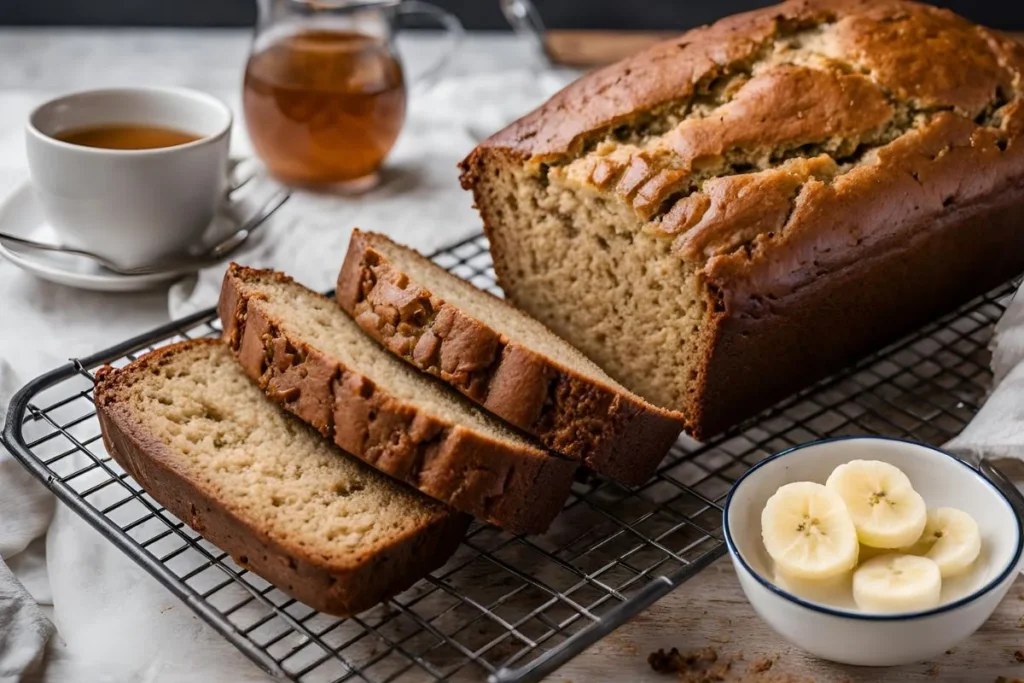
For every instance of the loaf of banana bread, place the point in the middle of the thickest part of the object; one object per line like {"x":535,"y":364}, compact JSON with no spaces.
{"x":735,"y":213}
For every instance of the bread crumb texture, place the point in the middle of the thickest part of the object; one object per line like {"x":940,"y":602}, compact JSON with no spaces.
{"x":263,"y":465}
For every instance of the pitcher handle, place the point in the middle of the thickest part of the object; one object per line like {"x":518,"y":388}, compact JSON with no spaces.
{"x":452,"y":27}
{"x":525,"y":20}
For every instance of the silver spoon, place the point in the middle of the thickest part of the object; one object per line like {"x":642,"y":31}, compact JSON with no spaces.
{"x":211,"y":256}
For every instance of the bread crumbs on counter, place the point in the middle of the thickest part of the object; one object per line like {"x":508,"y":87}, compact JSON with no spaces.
{"x":674,"y":661}
{"x":1019,"y":656}
{"x":713,"y":675}
{"x":664,"y":662}
{"x":699,"y":666}
{"x":707,"y":666}
{"x":933,"y":670}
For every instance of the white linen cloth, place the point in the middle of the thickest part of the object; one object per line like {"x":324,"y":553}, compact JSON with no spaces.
{"x":72,"y":607}
{"x":997,"y":431}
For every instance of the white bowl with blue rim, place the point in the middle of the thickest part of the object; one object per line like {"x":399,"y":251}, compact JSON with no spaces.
{"x":841,"y":633}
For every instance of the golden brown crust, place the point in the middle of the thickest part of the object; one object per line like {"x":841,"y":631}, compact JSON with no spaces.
{"x":612,"y":431}
{"x":914,"y":51}
{"x":517,"y":488}
{"x":782,"y":151}
{"x":947,"y":165}
{"x":603,"y":99}
{"x":342,"y":586}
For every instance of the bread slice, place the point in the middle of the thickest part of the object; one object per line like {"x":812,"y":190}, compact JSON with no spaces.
{"x":195,"y":433}
{"x":309,"y":356}
{"x":503,"y":359}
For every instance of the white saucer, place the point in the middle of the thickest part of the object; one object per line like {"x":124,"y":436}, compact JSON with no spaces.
{"x":22,"y":215}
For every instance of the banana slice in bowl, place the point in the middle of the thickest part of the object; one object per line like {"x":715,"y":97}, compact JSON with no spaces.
{"x":885,"y":508}
{"x":900,"y":618}
{"x":808,"y":532}
{"x":895,"y":582}
{"x":951,"y":538}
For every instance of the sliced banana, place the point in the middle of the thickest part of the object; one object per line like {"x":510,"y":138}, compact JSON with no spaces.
{"x":951,"y":538}
{"x":808,"y":532}
{"x":885,"y":508}
{"x":897,"y":583}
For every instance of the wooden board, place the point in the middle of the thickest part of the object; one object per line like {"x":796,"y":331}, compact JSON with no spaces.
{"x":584,"y":49}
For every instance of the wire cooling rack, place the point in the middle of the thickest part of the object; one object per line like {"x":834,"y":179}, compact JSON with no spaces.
{"x":505,"y":607}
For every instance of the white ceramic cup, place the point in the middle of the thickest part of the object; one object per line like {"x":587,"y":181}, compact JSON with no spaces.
{"x":134,"y":207}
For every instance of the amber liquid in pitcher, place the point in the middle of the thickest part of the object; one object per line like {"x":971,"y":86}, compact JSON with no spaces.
{"x":324,"y":107}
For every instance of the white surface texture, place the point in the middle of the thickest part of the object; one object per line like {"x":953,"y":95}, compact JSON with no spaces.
{"x":113,"y":622}
{"x":997,"y":431}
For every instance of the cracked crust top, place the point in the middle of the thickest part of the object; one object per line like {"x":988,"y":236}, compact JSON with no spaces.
{"x":781,"y":144}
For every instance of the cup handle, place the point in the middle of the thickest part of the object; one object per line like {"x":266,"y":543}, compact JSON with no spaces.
{"x":453,"y":28}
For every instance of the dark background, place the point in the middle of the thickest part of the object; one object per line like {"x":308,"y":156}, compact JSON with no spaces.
{"x":476,"y":14}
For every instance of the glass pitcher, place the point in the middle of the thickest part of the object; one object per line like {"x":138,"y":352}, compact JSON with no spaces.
{"x":325,"y":93}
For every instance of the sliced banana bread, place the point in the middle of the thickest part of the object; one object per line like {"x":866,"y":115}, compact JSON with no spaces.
{"x":195,"y":433}
{"x":312,"y":358}
{"x":502,"y":358}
